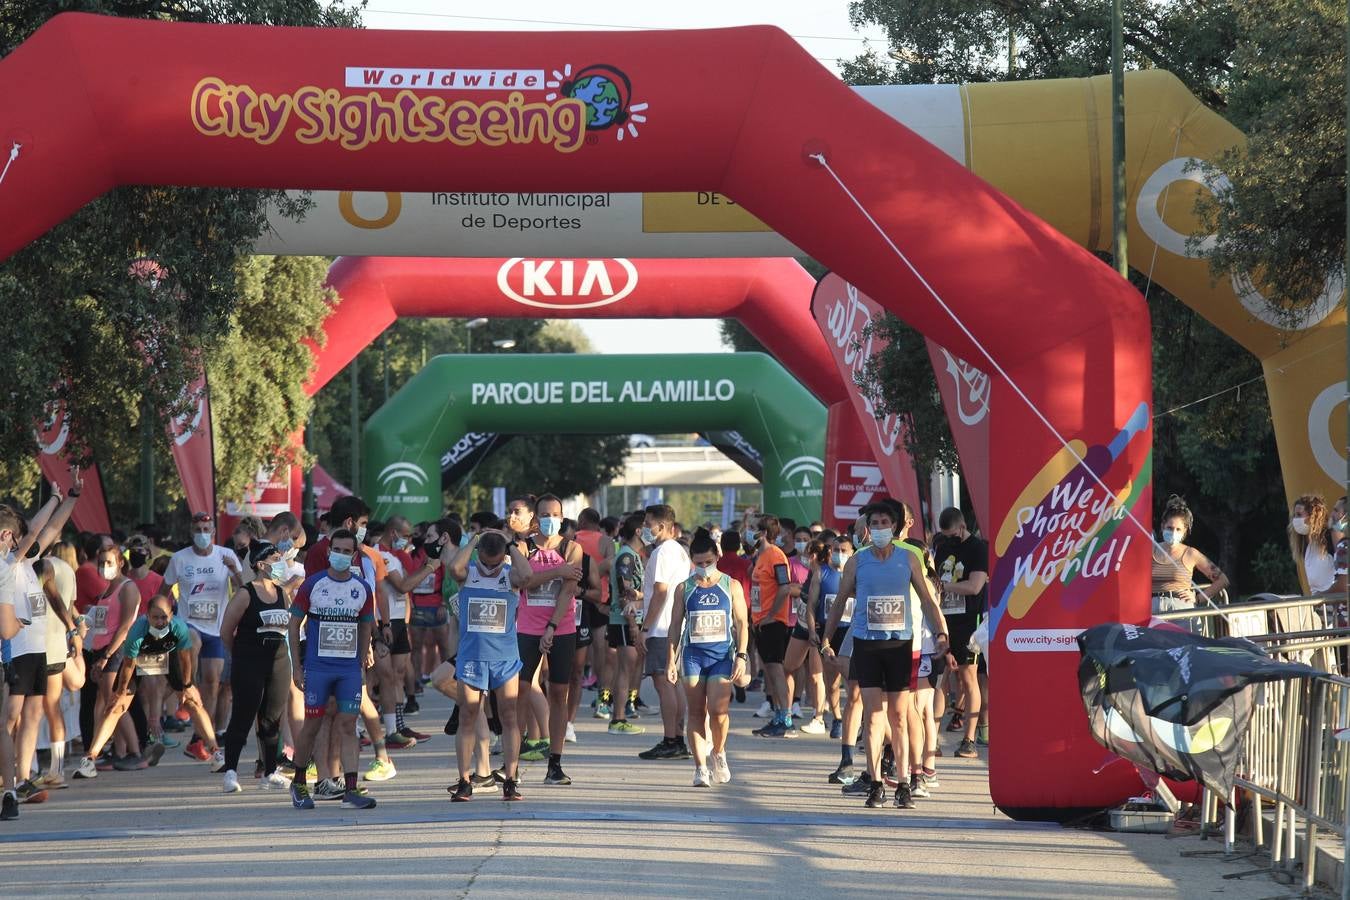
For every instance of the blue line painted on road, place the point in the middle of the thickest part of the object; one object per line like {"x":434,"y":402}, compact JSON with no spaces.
{"x":894,"y":822}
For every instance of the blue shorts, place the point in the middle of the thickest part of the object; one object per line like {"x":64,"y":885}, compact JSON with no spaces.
{"x":699,"y":664}
{"x":212,"y":646}
{"x":487,"y":676}
{"x":343,"y":685}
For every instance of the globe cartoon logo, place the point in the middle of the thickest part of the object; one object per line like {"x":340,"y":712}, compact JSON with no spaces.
{"x":607,"y":93}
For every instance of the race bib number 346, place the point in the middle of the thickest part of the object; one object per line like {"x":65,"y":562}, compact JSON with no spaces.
{"x":203,"y":610}
{"x":337,"y":640}
{"x":888,"y":613}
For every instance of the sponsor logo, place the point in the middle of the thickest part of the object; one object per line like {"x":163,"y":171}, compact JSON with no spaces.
{"x":55,"y":430}
{"x":1320,"y":430}
{"x":186,"y":426}
{"x":741,"y":445}
{"x":855,"y":484}
{"x":474,"y":440}
{"x":1043,"y":640}
{"x":848,"y":320}
{"x":607,"y":93}
{"x":567,"y":283}
{"x":804,"y":476}
{"x":396,"y":478}
{"x":393,"y":206}
{"x":971,"y":390}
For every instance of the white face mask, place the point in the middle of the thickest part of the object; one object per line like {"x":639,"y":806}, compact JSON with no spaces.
{"x":801,"y":548}
{"x":158,"y":633}
{"x":360,"y":534}
{"x":706,"y":572}
{"x":109,"y":572}
{"x":1299,"y":524}
{"x":881,"y":536}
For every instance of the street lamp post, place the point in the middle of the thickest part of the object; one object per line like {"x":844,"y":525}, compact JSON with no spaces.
{"x":469,"y":326}
{"x":504,"y":344}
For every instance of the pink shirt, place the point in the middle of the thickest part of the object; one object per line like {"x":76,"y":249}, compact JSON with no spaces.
{"x":105,"y":616}
{"x":537,"y":604}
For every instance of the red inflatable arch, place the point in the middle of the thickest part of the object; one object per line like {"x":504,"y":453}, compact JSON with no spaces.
{"x":98,"y":102}
{"x":770,"y":296}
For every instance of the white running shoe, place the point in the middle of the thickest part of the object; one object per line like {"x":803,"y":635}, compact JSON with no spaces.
{"x":721,"y":772}
{"x":571,"y":736}
{"x":231,"y":785}
{"x":275,"y":782}
{"x":86,"y":769}
{"x":765,"y":710}
{"x":815,"y":726}
{"x":701,"y":778}
{"x":218,"y":760}
{"x":796,"y":710}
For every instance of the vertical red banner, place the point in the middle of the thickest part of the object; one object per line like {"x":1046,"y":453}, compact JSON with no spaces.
{"x":53,"y":435}
{"x":853,"y":477}
{"x":194,"y":450}
{"x":965,"y":396}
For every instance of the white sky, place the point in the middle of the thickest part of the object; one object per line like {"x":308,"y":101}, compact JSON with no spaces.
{"x":821,"y":26}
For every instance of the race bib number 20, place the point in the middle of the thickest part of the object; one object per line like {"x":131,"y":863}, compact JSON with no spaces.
{"x":486,"y":616}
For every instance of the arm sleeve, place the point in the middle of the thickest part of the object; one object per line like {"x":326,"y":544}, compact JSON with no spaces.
{"x":781,"y":574}
{"x":979,"y":558}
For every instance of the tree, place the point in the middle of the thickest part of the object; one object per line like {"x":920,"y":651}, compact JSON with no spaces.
{"x":80,"y":328}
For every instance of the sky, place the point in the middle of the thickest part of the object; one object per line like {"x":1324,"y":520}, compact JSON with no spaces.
{"x":821,"y":26}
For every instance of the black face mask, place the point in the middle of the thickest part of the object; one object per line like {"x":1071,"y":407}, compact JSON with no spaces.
{"x":138,"y":558}
{"x":434,"y":550}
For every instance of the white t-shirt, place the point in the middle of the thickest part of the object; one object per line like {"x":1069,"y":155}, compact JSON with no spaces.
{"x":398,"y":603}
{"x":668,"y":565}
{"x":203,"y":586}
{"x":1320,"y":568}
{"x":29,"y":603}
{"x":64,"y":576}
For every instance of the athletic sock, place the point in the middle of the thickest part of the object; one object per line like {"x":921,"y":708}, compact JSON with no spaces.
{"x":58,"y":757}
{"x":390,"y":724}
{"x":555,"y":760}
{"x":301,"y":773}
{"x":398,"y":716}
{"x":349,"y":780}
{"x":846,"y":756}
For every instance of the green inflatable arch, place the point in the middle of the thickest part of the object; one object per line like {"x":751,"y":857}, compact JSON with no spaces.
{"x":601,"y":394}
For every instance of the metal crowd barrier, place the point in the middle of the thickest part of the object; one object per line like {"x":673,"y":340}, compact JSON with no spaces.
{"x":1291,"y":756}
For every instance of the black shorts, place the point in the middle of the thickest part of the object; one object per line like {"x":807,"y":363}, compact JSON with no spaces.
{"x":936,"y":666}
{"x":559,"y":658}
{"x":959,"y":630}
{"x":771,"y":641}
{"x":619,"y":636}
{"x":55,"y":668}
{"x":836,"y":639}
{"x":583,"y":634}
{"x":28,"y":675}
{"x":398,"y":632}
{"x":799,"y":633}
{"x":593,"y":616}
{"x":888,"y":665}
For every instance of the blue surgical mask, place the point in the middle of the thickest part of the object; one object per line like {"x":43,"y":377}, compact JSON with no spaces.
{"x":280,"y":572}
{"x":202,"y":539}
{"x":647,"y":536}
{"x":705,"y":571}
{"x":340,"y":562}
{"x":1172,"y":536}
{"x":400,"y":543}
{"x":801,"y":548}
{"x":882,"y":536}
{"x":464,"y":539}
{"x":836,"y":559}
{"x":360,"y":534}
{"x":285,"y":544}
{"x":549,"y":525}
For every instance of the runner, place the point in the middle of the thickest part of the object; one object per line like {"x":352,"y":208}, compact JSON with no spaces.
{"x":596,"y":615}
{"x":428,"y":624}
{"x":884,"y":578}
{"x":402,"y":575}
{"x":923,"y":735}
{"x":771,"y":594}
{"x":254,"y":632}
{"x":963,"y":569}
{"x":547,"y":624}
{"x":337,"y":610}
{"x":203,"y":574}
{"x":667,"y":568}
{"x":710,"y":620}
{"x":588,"y":600}
{"x":625,"y":620}
{"x":488,"y":655}
{"x":111,"y":618}
{"x":826,"y":562}
{"x":803,"y":652}
{"x":158,"y":643}
{"x":57,"y":579}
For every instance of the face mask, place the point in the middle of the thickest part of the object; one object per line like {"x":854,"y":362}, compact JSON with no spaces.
{"x":882,"y":536}
{"x":285,"y":544}
{"x":280,"y":572}
{"x":464,"y":539}
{"x":751,"y":538}
{"x":1342,"y":525}
{"x":549,"y":525}
{"x":1172,"y":536}
{"x":201,"y":539}
{"x":108,"y":572}
{"x":360,"y":534}
{"x":706,"y":571}
{"x":158,"y":632}
{"x":340,"y":562}
{"x":292,"y":553}
{"x":647,"y":536}
{"x":837,"y":560}
{"x":1300,"y":525}
{"x":400,"y":543}
{"x":138,"y":558}
{"x":801,"y":548}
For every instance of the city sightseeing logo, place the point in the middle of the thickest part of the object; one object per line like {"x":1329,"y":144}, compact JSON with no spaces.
{"x":413,"y":105}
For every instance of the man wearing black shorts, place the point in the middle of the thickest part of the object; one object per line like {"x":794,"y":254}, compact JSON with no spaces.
{"x":625,"y":620}
{"x":963,"y":571}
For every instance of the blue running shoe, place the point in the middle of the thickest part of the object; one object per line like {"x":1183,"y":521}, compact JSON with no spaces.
{"x":300,"y":797}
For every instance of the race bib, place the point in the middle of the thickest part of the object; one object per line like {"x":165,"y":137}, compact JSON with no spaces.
{"x":544,"y":595}
{"x":337,"y":640}
{"x":37,"y":605}
{"x":577,"y":604}
{"x":203,"y":610}
{"x":847,"y":617}
{"x":890,"y":613}
{"x":707,"y":626}
{"x":486,"y":616}
{"x":428,"y":585}
{"x":98,"y":620}
{"x":398,"y":607}
{"x":153,"y":664}
{"x":799,"y":609}
{"x":754,"y":599}
{"x":953,"y":604}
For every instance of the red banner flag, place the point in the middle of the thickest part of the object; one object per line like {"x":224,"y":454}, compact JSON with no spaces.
{"x":53,"y":435}
{"x":965,"y":396}
{"x":327,"y":489}
{"x":194,"y":450}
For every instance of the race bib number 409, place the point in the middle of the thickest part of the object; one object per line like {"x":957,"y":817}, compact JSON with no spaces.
{"x":888,"y":613}
{"x":337,"y":640}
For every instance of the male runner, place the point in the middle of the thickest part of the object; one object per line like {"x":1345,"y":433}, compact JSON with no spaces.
{"x":337,"y":610}
{"x":596,"y":615}
{"x":625,"y":620}
{"x":401,"y":576}
{"x":962,"y":562}
{"x":772,"y":592}
{"x":667,"y":568}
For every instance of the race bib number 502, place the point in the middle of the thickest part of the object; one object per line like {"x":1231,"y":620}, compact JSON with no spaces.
{"x":888,"y":613}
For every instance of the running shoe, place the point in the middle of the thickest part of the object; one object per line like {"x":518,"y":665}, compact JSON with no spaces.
{"x":29,"y":792}
{"x":638,"y":704}
{"x":860,"y":785}
{"x":815,"y":726}
{"x":756,"y":684}
{"x":329,"y":789}
{"x":366,"y":742}
{"x":258,"y":769}
{"x":876,"y":796}
{"x":903,"y":798}
{"x":231,"y":783}
{"x":105,"y":762}
{"x":132,"y":762}
{"x":836,"y":730}
{"x":557,"y":776}
{"x":197,"y":750}
{"x":54,"y":781}
{"x":966,"y":750}
{"x":286,"y":765}
{"x":154,"y":752}
{"x":311,"y":771}
{"x":916,"y":787}
{"x":274,"y":782}
{"x":843,"y":775}
{"x":9,"y":807}
{"x":218,"y":760}
{"x":774,"y":729}
{"x":929,"y":781}
{"x":511,"y":790}
{"x":721,"y":772}
{"x":411,"y":706}
{"x":462,"y":792}
{"x":399,"y":741}
{"x":300,"y":797}
{"x":168,"y":742}
{"x":379,"y":770}
{"x":589,"y":682}
{"x":602,"y":711}
{"x":425,"y":679}
{"x":415,"y":735}
{"x":958,"y":721}
{"x":623,"y":726}
{"x":452,"y":723}
{"x":790,"y":730}
{"x":357,"y":798}
{"x":86,"y":768}
{"x":701,"y":777}
{"x":796,"y":710}
{"x":485,"y":781}
{"x":765,"y":710}
{"x":537,"y":752}
{"x":571,"y":736}
{"x":664,"y":750}
{"x":182,"y":716}
{"x":681,"y":751}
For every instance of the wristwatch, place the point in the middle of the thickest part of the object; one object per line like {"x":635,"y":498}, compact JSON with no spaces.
{"x":745,"y":656}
